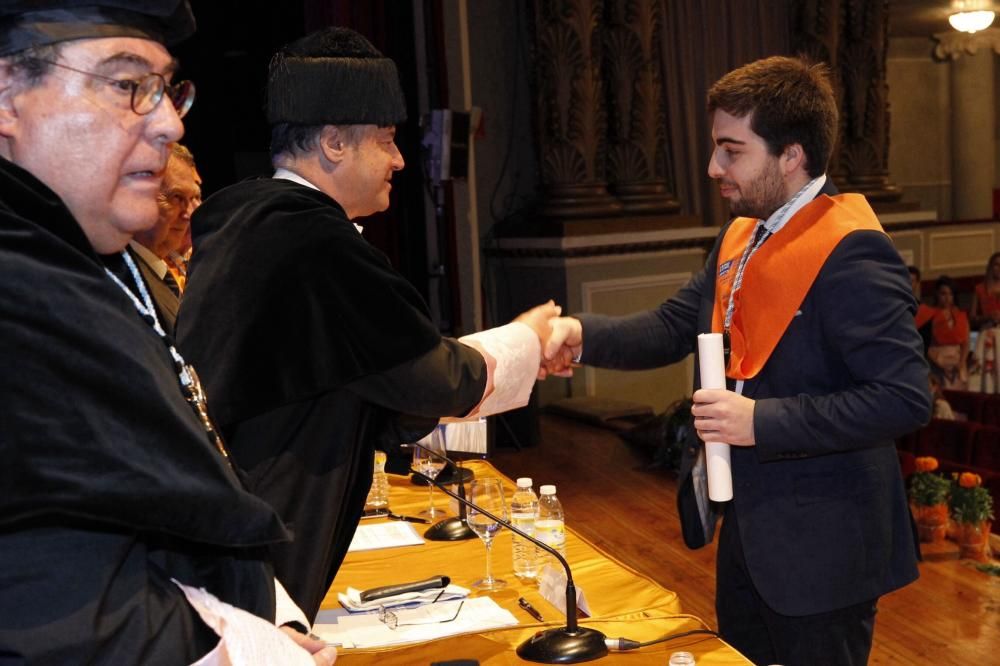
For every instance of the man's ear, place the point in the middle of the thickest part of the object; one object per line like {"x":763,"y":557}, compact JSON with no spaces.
{"x":9,"y":88}
{"x":331,"y":144}
{"x":793,"y":157}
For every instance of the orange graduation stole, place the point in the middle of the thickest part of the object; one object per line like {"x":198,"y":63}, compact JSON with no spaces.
{"x":779,"y":275}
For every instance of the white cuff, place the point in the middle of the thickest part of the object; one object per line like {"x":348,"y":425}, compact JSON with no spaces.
{"x":286,"y":610}
{"x":518,"y":354}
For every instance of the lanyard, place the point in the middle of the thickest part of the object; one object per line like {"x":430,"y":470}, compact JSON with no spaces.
{"x":190,"y":383}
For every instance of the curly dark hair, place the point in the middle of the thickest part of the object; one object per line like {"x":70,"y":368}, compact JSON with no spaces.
{"x":791,"y":101}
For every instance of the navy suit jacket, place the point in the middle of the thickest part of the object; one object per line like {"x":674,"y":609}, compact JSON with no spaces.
{"x":820,"y":502}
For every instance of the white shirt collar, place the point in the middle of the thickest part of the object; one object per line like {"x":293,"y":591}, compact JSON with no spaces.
{"x":802,"y":197}
{"x":158,"y":265}
{"x":285,"y":174}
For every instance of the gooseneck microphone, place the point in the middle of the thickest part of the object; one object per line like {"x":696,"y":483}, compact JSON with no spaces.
{"x":564,"y":645}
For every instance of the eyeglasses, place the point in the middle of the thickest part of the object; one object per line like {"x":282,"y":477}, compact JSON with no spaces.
{"x":391,"y":619}
{"x":147,"y":91}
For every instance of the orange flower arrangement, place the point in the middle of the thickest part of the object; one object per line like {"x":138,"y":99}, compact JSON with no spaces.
{"x":970,"y":502}
{"x":970,"y":480}
{"x":927,"y":488}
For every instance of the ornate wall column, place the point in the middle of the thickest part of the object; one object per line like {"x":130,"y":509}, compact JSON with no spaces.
{"x":851,"y":37}
{"x":637,"y":167}
{"x":973,"y":163}
{"x":571,"y":109}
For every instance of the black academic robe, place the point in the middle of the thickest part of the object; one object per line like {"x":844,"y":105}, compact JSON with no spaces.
{"x":312,"y":348}
{"x":110,"y":486}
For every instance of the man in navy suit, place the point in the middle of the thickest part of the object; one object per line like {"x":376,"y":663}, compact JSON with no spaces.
{"x":825,"y":369}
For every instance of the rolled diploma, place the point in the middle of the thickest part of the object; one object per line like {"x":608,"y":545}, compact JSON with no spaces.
{"x":713,"y":376}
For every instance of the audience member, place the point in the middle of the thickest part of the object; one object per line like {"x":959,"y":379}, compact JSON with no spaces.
{"x":925,"y":313}
{"x":312,"y":347}
{"x":942,"y":408}
{"x":120,"y":514}
{"x":985,"y":310}
{"x":949,"y":349}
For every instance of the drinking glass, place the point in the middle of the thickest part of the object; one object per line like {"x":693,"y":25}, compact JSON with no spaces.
{"x":486,"y":492}
{"x":430,"y":463}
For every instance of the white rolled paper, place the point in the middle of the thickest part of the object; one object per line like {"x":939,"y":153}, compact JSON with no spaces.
{"x":713,"y":376}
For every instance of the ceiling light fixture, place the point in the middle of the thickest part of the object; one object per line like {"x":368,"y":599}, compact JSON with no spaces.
{"x":972,"y":21}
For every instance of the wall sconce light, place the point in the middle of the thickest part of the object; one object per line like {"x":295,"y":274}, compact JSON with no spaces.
{"x":971,"y":16}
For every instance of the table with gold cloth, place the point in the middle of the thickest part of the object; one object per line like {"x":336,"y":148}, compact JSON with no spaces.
{"x":622,"y":601}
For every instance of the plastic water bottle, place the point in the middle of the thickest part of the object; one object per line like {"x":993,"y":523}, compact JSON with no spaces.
{"x":378,"y":494}
{"x":550,"y":526}
{"x":682,"y":659}
{"x":523,"y":511}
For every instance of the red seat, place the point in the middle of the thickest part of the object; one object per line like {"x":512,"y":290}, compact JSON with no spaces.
{"x":986,"y":449}
{"x":947,"y":440}
{"x":968,"y":403}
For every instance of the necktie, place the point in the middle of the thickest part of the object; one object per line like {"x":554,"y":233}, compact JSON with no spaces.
{"x":168,"y":279}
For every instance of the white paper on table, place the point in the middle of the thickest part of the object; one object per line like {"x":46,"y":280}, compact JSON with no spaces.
{"x":711,"y":361}
{"x":552,"y":587}
{"x":465,"y":436}
{"x":384,"y":535}
{"x":367,"y":631}
{"x":351,"y":599}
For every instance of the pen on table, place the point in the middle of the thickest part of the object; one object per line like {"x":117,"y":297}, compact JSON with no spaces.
{"x":409,"y":519}
{"x":523,"y":603}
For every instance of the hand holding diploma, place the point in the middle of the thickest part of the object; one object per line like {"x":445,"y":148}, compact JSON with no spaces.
{"x":721,"y":417}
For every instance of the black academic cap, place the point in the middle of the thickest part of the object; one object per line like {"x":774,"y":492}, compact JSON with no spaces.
{"x":334,"y":77}
{"x":28,"y":23}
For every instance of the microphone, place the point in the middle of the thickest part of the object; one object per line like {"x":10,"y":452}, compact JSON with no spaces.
{"x":564,"y":645}
{"x":449,"y":529}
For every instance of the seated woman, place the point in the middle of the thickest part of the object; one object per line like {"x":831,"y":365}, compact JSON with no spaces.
{"x":949,"y":337}
{"x":985,"y":310}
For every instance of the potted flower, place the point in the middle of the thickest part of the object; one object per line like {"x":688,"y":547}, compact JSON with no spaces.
{"x":929,"y":500}
{"x":972,"y":510}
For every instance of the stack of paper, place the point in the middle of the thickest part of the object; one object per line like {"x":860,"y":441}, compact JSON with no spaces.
{"x":352,"y":599}
{"x":367,"y":631}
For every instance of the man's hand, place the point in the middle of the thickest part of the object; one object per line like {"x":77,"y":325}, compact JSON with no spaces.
{"x":538,"y":319}
{"x":321,"y":654}
{"x":723,"y":416}
{"x":564,"y":344}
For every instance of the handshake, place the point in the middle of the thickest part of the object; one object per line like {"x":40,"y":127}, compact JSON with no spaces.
{"x":561,"y":338}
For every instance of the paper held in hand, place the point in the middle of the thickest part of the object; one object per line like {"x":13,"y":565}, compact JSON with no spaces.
{"x":713,"y":376}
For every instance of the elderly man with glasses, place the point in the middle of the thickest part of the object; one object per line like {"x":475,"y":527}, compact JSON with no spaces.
{"x":125,"y":533}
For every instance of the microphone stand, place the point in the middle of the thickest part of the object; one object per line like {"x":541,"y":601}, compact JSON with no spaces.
{"x":449,"y":529}
{"x":564,"y":645}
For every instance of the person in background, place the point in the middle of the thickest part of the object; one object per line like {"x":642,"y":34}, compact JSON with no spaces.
{"x":985,"y":310}
{"x":125,"y":535}
{"x":314,"y":350}
{"x":155,"y":250}
{"x":826,"y":370}
{"x":180,"y":195}
{"x":949,"y":348}
{"x":942,"y":408}
{"x":925,"y":313}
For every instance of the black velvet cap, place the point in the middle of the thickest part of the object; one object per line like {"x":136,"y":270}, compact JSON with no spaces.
{"x":28,"y":23}
{"x":334,"y":77}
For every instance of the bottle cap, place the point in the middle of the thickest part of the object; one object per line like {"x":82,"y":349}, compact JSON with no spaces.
{"x":548,"y":490}
{"x":524,"y":482}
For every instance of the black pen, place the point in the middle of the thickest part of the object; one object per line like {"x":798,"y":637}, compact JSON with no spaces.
{"x":529,"y":609}
{"x":409,"y":519}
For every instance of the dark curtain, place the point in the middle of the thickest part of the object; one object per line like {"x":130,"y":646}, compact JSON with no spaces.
{"x":704,"y":39}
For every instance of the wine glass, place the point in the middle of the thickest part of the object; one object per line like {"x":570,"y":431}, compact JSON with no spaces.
{"x":429,"y":461}
{"x":487,"y":493}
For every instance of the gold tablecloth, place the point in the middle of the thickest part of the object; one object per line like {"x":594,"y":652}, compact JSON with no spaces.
{"x":622,"y":602}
